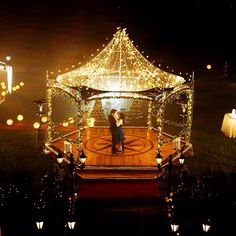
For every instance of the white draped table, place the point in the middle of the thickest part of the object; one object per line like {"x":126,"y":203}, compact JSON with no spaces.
{"x":229,"y":125}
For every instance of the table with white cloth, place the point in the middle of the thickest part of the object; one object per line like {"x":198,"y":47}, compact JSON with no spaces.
{"x":229,"y":125}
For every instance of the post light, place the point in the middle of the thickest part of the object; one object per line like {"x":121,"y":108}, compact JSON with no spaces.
{"x":60,"y":158}
{"x":82,"y":159}
{"x":71,"y":224}
{"x":206,"y":226}
{"x":158,"y":159}
{"x":39,"y":224}
{"x":181,"y":159}
{"x":174,"y":227}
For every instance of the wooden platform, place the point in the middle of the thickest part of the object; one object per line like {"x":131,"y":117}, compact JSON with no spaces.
{"x":138,"y":160}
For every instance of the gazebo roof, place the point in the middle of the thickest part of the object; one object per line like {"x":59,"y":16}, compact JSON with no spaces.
{"x":120,"y":67}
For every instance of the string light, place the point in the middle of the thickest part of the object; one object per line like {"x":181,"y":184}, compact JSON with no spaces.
{"x":123,"y":72}
{"x":120,"y":67}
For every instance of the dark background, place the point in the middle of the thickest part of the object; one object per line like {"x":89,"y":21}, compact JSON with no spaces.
{"x":50,"y":35}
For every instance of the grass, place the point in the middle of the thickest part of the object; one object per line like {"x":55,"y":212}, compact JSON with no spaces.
{"x":19,"y":158}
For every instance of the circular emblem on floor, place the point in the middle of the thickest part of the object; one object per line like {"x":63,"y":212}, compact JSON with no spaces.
{"x":133,"y":145}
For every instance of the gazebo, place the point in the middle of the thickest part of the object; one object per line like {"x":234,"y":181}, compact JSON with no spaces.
{"x":120,"y":72}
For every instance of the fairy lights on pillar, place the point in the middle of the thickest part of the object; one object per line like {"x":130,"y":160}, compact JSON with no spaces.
{"x":149,"y":117}
{"x":189,"y":117}
{"x":49,"y":110}
{"x":79,"y":121}
{"x":160,"y":117}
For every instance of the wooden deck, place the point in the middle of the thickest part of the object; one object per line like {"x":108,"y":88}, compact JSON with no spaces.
{"x":139,"y":156}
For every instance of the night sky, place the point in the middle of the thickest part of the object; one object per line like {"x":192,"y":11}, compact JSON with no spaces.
{"x":49,"y":35}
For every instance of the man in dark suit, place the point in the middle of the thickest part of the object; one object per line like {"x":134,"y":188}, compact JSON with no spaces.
{"x":113,"y":129}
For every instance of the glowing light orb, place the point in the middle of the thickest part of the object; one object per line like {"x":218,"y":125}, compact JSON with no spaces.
{"x":208,"y":66}
{"x":71,"y":120}
{"x":65,"y":124}
{"x":9,"y":122}
{"x":17,"y":86}
{"x":20,"y":117}
{"x":22,"y":84}
{"x":4,"y":93}
{"x":44,"y":119}
{"x":8,"y":58}
{"x":36,"y":125}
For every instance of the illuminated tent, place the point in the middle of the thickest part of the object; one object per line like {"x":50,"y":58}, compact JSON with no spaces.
{"x":121,"y":71}
{"x":120,"y":67}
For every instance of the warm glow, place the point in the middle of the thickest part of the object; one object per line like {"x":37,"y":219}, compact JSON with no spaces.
{"x":17,"y":86}
{"x":9,"y":122}
{"x":71,"y":120}
{"x":120,"y":67}
{"x":44,"y":119}
{"x":20,"y":117}
{"x":36,"y":125}
{"x":4,"y":93}
{"x":9,"y":78}
{"x":8,"y":58}
{"x":39,"y":224}
{"x":208,"y":66}
{"x":71,"y":225}
{"x":174,"y":227}
{"x":206,"y":227}
{"x":65,"y":124}
{"x":22,"y":84}
{"x":90,"y":122}
{"x":233,"y":114}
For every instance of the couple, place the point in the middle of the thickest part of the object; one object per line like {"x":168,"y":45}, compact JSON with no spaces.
{"x":116,"y":120}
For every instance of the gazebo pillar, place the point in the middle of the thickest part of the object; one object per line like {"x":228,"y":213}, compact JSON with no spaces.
{"x":160,"y":117}
{"x":149,"y":117}
{"x":49,"y":127}
{"x":189,"y":118}
{"x":79,"y":121}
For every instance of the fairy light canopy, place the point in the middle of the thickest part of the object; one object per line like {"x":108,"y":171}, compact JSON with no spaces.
{"x":120,"y":67}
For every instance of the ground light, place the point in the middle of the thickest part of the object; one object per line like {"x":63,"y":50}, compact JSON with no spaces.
{"x":181,"y":159}
{"x":60,"y":158}
{"x":71,"y":224}
{"x":174,"y":227}
{"x":206,"y":226}
{"x":159,"y":159}
{"x":39,"y":224}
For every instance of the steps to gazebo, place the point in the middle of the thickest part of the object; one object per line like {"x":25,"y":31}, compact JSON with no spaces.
{"x":118,"y":172}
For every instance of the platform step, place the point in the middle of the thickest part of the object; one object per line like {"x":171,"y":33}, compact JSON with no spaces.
{"x":117,"y":172}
